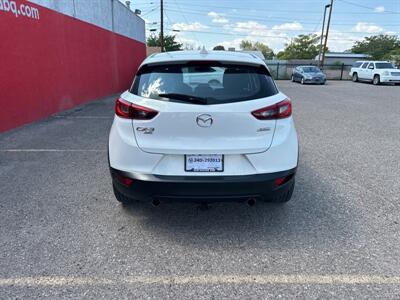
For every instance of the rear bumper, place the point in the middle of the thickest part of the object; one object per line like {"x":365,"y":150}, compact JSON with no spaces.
{"x":202,"y":188}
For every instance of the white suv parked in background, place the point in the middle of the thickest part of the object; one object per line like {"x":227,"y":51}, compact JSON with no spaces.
{"x":375,"y":71}
{"x":203,"y":126}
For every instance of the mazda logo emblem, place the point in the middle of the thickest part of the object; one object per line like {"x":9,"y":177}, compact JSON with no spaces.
{"x":204,"y":120}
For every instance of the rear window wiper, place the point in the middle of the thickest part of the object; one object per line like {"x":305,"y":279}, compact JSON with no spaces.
{"x":185,"y":98}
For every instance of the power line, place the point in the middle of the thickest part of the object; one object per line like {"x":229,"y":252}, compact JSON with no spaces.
{"x":253,"y":35}
{"x":184,"y":17}
{"x":191,"y":5}
{"x":268,"y":19}
{"x":151,"y":11}
{"x":368,"y":7}
{"x":231,"y":27}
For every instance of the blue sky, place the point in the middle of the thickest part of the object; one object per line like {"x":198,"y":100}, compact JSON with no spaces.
{"x":227,"y":22}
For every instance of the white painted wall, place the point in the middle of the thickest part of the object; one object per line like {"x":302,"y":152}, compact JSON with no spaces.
{"x":108,"y":14}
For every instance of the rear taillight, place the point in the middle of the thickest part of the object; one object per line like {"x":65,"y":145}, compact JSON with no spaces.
{"x":279,"y":110}
{"x":127,"y":110}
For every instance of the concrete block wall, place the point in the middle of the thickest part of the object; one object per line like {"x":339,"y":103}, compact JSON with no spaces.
{"x":127,"y":23}
{"x":108,"y":14}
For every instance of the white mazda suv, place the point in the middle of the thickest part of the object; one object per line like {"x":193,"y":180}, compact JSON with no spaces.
{"x":203,"y":126}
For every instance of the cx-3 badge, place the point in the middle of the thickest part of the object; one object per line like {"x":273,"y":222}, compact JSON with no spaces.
{"x":204,"y":120}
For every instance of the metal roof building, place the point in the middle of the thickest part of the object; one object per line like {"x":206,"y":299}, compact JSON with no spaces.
{"x":342,"y":57}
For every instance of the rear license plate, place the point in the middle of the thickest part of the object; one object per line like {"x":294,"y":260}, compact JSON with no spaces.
{"x":204,"y":163}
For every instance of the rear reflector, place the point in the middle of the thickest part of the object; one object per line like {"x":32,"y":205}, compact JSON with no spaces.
{"x":283,"y":180}
{"x":127,"y":110}
{"x":280,"y":181}
{"x":279,"y":110}
{"x":124,"y":180}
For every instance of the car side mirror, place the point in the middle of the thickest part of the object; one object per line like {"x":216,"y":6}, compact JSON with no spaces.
{"x":371,"y":67}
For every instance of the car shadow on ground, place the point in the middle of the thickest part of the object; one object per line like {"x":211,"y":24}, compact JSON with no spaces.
{"x":316,"y":212}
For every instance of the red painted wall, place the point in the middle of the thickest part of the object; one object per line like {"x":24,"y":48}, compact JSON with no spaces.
{"x":58,"y":62}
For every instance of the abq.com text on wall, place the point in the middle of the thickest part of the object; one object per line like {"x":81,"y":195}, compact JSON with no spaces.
{"x":19,"y":10}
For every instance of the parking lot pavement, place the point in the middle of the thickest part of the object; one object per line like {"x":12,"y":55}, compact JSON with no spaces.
{"x":63,"y":235}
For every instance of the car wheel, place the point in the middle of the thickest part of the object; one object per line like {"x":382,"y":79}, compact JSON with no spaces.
{"x":121,"y":197}
{"x":377,"y":80}
{"x":284,"y":197}
{"x":355,"y":77}
{"x":292,"y":79}
{"x":302,"y":81}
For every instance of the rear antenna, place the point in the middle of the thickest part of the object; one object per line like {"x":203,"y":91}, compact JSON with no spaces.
{"x":204,"y":51}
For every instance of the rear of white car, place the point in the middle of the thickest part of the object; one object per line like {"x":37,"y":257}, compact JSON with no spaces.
{"x":203,"y":127}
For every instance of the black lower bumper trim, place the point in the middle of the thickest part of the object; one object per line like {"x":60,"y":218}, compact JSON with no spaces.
{"x":202,"y":188}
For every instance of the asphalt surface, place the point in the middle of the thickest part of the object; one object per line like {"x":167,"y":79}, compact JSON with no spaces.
{"x":63,"y":235}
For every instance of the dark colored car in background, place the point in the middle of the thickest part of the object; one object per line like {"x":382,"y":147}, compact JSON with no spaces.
{"x":308,"y":74}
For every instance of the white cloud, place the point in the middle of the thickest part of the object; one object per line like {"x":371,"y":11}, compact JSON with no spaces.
{"x":233,"y":43}
{"x":255,"y":32}
{"x":379,"y":9}
{"x":217,"y":17}
{"x":188,"y":43}
{"x":196,"y":26}
{"x":288,"y":26}
{"x":367,"y":28}
{"x":251,"y":27}
{"x":339,"y":41}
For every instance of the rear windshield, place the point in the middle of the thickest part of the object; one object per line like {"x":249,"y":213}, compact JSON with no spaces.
{"x":311,"y":70}
{"x":384,"y":66}
{"x":215,"y":83}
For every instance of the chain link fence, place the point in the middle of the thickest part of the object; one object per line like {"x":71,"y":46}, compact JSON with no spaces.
{"x":283,"y":71}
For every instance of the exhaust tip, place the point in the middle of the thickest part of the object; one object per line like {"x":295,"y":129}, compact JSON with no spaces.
{"x":251,"y":202}
{"x":156,"y":202}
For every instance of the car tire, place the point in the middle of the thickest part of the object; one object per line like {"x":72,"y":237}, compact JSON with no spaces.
{"x":121,"y":197}
{"x":302,"y":80}
{"x":284,"y":197}
{"x":354,"y":77}
{"x":376,"y":80}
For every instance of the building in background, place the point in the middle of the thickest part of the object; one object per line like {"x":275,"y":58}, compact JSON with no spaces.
{"x":342,"y":58}
{"x":152,"y":50}
{"x":108,"y":14}
{"x":60,"y":54}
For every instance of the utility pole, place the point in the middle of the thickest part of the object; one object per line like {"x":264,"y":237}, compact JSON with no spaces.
{"x":327,"y":33}
{"x":322,"y":35}
{"x":162,"y":25}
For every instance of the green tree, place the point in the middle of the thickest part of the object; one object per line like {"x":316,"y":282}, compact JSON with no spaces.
{"x":219,"y":47}
{"x":264,"y":49}
{"x":169,"y":42}
{"x":394,"y":56}
{"x":304,"y":46}
{"x":377,"y":46}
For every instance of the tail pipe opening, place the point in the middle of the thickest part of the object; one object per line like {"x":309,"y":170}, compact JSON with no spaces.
{"x":251,"y":202}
